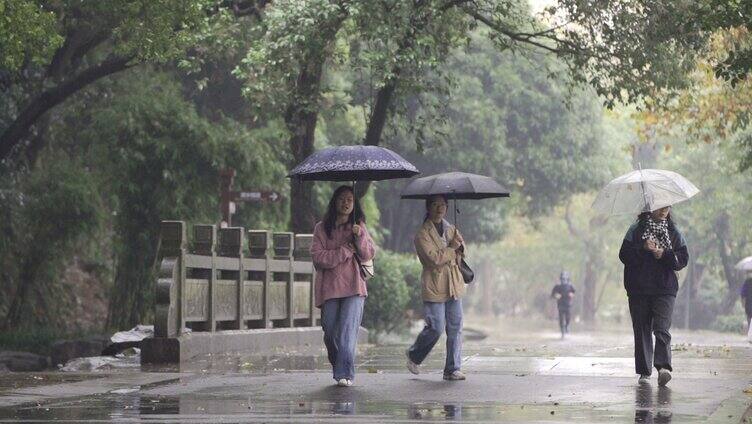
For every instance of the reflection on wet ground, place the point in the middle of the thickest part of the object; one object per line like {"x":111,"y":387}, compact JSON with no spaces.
{"x":584,"y":379}
{"x":220,"y":410}
{"x":652,"y":405}
{"x":10,"y":381}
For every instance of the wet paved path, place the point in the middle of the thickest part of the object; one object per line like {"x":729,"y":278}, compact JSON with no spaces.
{"x":514,"y":377}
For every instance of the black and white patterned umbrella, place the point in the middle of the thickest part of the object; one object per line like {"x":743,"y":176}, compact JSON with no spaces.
{"x":353,"y":163}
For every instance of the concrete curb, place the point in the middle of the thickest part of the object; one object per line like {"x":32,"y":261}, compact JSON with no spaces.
{"x":180,"y":349}
{"x":737,"y":408}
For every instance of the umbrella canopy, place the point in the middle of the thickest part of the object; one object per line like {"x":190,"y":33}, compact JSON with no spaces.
{"x":643,"y":191}
{"x":745,"y":264}
{"x":454,"y":185}
{"x":353,"y":163}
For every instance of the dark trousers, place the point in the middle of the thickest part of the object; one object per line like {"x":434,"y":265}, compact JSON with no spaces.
{"x":564,"y":319}
{"x":651,"y":315}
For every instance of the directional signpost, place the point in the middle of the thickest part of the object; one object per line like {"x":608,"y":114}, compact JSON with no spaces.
{"x":256,"y":196}
{"x":228,"y":196}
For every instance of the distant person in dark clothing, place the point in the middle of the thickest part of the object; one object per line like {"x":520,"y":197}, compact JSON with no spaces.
{"x":563,"y":293}
{"x":652,"y":251}
{"x":746,"y":294}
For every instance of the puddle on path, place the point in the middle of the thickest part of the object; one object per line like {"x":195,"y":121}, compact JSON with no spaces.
{"x":131,"y":407}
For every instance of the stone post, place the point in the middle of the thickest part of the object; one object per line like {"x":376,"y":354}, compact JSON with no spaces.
{"x":283,"y":246}
{"x":170,"y":301}
{"x":302,"y":253}
{"x":259,"y":245}
{"x":205,"y":243}
{"x":231,"y":245}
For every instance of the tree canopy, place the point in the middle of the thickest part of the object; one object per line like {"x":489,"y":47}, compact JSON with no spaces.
{"x":130,"y":109}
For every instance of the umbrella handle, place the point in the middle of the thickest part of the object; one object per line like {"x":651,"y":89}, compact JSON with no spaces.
{"x":455,"y":212}
{"x":642,"y":187}
{"x":355,"y":197}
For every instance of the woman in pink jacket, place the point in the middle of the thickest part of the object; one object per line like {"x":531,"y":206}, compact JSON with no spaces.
{"x":340,"y":242}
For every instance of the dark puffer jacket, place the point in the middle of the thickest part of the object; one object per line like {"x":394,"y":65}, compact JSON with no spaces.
{"x":645,"y":275}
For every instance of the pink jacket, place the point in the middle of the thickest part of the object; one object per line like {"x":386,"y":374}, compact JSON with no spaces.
{"x":337,"y":271}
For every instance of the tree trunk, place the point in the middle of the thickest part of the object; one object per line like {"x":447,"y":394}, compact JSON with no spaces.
{"x":376,"y":123}
{"x":133,"y":291}
{"x":18,"y":304}
{"x":723,"y":236}
{"x":589,"y":283}
{"x":593,"y":261}
{"x":300,"y":119}
{"x":644,"y":155}
{"x":379,"y":113}
{"x":487,"y":282}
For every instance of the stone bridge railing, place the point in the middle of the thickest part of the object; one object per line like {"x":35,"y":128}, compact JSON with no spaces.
{"x":216,"y":283}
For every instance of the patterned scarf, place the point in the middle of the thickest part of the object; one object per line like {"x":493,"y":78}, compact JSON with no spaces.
{"x":658,"y":232}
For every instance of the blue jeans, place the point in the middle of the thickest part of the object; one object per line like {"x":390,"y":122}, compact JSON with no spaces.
{"x":340,"y":320}
{"x":440,"y":316}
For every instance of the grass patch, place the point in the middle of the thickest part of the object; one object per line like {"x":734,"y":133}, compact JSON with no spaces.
{"x":35,"y":340}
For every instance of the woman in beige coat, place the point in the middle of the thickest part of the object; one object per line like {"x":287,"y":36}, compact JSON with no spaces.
{"x":440,"y":248}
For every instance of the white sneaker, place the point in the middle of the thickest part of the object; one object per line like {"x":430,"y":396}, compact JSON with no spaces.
{"x":343,"y":382}
{"x":412,"y":366}
{"x":664,"y":376}
{"x":644,"y":379}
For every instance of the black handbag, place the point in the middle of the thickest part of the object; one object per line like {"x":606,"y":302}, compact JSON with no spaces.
{"x":467,"y":274}
{"x":365,"y":267}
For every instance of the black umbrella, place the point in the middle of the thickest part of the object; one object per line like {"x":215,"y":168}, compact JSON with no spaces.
{"x":454,"y":185}
{"x":353,"y":163}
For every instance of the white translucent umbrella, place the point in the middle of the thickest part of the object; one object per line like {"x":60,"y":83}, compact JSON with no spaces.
{"x":643,"y":190}
{"x":745,"y":264}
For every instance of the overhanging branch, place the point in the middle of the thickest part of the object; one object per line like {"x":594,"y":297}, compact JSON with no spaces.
{"x":516,"y":36}
{"x":19,"y":129}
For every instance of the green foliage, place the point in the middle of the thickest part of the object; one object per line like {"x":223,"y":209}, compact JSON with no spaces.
{"x":27,"y":31}
{"x":516,"y":274}
{"x":130,"y":151}
{"x":37,"y":340}
{"x":161,"y":160}
{"x":50,"y":213}
{"x":390,"y":291}
{"x":60,"y":205}
{"x":507,"y":120}
{"x":296,"y":35}
{"x":404,"y":42}
{"x":735,"y":322}
{"x":152,"y":30}
{"x":73,"y":44}
{"x":650,"y":45}
{"x":148,"y":30}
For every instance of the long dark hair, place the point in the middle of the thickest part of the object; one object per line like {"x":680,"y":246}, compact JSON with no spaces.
{"x":330,"y":217}
{"x":428,"y":204}
{"x":642,"y":224}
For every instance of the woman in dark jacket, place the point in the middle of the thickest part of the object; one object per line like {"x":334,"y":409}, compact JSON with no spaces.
{"x":652,"y":251}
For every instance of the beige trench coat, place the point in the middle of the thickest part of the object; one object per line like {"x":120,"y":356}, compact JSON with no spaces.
{"x":441,"y":278}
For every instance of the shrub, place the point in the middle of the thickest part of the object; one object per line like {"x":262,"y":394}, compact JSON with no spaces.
{"x":735,"y":322}
{"x":390,"y":292}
